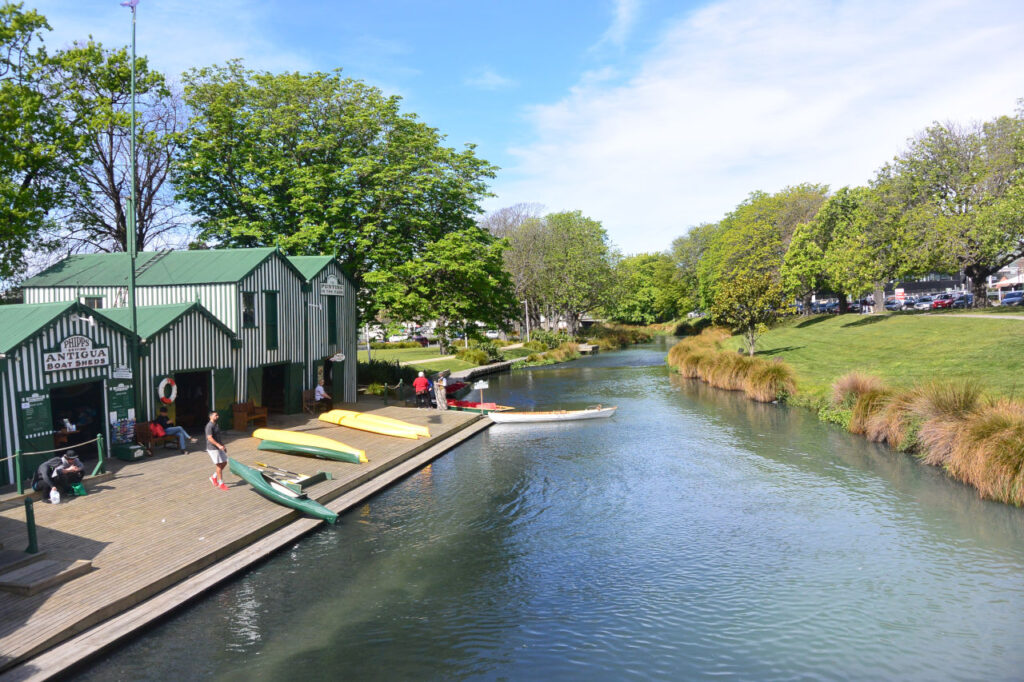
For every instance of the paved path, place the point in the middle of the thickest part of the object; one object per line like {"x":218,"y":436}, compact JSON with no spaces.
{"x":448,"y":357}
{"x":987,"y":317}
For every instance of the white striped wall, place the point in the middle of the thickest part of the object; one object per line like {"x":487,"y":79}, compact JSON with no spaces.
{"x":24,"y":372}
{"x":193,"y":342}
{"x":348,"y":327}
{"x":272,"y":275}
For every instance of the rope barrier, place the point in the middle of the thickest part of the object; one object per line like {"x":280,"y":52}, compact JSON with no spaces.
{"x":63,"y":449}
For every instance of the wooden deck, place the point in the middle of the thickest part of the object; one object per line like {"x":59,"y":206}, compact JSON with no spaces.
{"x":160,"y":521}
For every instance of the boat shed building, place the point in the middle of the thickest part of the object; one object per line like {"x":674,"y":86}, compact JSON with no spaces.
{"x":60,"y":363}
{"x":278,"y":313}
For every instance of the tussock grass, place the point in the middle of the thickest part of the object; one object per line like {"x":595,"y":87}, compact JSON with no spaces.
{"x":989,"y":452}
{"x":852,"y":385}
{"x":870,"y":402}
{"x":769,"y":381}
{"x":894,"y":423}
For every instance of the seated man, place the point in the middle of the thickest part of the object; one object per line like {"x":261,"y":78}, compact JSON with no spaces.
{"x":322,"y":397}
{"x":171,"y":430}
{"x":60,"y":473}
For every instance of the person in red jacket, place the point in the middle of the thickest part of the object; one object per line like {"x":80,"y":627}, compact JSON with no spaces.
{"x":422,"y":387}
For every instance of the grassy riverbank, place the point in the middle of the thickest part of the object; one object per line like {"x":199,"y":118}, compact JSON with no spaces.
{"x":942,"y":388}
{"x":903,"y":350}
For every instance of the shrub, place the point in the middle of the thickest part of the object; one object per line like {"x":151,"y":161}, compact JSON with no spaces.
{"x":383,"y":372}
{"x":549,"y":339}
{"x":941,"y":407}
{"x":475,"y":356}
{"x":535,"y":345}
{"x":770,"y":381}
{"x":567,"y":351}
{"x":381,"y":345}
{"x":533,"y":357}
{"x":894,"y":423}
{"x":728,"y":370}
{"x":376,"y":389}
{"x":869,"y":403}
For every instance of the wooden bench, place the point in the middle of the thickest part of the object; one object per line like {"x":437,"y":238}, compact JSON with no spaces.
{"x":312,"y":405}
{"x":144,"y":437}
{"x":246,"y":412}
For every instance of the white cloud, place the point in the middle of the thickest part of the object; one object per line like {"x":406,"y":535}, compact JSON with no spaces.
{"x":487,"y":78}
{"x":745,"y":95}
{"x":623,"y":18}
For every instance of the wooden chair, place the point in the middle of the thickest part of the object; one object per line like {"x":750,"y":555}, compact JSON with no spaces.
{"x":312,"y":405}
{"x":244,"y":413}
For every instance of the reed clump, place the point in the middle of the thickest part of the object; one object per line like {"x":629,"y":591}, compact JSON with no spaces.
{"x":701,"y":357}
{"x":989,"y":452}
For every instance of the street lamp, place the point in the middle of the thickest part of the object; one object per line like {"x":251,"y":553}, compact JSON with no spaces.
{"x":133,"y":354}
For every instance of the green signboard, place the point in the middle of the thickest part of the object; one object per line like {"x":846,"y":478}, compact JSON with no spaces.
{"x":36,"y":414}
{"x":119,"y":399}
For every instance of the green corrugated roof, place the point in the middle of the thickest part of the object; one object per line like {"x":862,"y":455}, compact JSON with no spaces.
{"x":310,"y":266}
{"x":153,"y":319}
{"x":155,"y":268}
{"x":20,"y":321}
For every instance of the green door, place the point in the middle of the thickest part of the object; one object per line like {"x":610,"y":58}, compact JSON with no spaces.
{"x":36,"y":419}
{"x":293,"y":387}
{"x":254,"y":383}
{"x":224,"y":395}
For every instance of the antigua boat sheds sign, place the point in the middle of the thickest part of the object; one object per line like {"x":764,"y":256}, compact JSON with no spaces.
{"x":76,"y":352}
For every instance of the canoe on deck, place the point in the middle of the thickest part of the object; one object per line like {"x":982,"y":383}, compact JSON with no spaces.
{"x":275,"y":491}
{"x":373,"y":423}
{"x":295,"y":442}
{"x":478,"y":407}
{"x":552,"y":416}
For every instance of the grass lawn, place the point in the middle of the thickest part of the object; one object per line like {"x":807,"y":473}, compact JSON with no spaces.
{"x":402,"y":354}
{"x":438,"y":365}
{"x":901,"y":349}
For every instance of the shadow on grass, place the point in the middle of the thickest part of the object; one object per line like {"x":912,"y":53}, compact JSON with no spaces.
{"x":866,"y":320}
{"x":812,"y":320}
{"x":776,"y":351}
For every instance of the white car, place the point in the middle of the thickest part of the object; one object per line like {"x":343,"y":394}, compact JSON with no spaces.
{"x":492,"y":333}
{"x":395,"y":338}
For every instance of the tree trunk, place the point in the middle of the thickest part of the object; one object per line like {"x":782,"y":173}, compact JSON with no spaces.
{"x":751,"y":340}
{"x":879,"y":295}
{"x":844,"y":306}
{"x":807,"y":303}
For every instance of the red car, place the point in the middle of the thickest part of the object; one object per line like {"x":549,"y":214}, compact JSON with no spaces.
{"x":942,"y":301}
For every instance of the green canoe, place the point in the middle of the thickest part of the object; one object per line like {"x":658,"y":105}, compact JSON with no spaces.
{"x":276,"y":492}
{"x":296,"y":449}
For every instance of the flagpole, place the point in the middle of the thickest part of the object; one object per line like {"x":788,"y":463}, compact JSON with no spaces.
{"x":130,"y":225}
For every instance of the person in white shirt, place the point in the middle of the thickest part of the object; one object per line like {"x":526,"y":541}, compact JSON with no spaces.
{"x":320,"y":394}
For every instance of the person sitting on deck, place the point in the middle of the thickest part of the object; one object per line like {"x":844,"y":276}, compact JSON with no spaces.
{"x":319,"y":394}
{"x":60,"y":473}
{"x":421,"y":385}
{"x":171,"y":429}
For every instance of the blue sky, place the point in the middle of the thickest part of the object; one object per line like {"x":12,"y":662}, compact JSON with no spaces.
{"x":648,"y":115}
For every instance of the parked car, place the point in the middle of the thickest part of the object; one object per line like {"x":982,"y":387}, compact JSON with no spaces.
{"x":963,"y":301}
{"x":893,"y":303}
{"x":492,"y":333}
{"x":422,"y":340}
{"x":942,"y":301}
{"x":923,"y":303}
{"x":1012,"y":298}
{"x":395,"y":338}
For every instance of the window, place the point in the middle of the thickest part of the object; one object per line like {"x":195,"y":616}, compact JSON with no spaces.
{"x":270,"y":313}
{"x":248,"y":309}
{"x":94,"y":302}
{"x":332,"y":319}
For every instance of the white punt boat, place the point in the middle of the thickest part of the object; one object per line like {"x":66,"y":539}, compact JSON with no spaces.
{"x":597,"y":412}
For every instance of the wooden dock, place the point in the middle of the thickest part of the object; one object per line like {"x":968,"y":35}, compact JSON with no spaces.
{"x":158,"y":533}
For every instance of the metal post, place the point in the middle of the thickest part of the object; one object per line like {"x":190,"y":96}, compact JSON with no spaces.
{"x":30,"y":523}
{"x":100,"y":465}
{"x":17,"y":471}
{"x":133,"y":354}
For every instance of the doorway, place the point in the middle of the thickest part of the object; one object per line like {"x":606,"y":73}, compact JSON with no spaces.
{"x":82,"y":406}
{"x":192,"y":407}
{"x":274,"y":380}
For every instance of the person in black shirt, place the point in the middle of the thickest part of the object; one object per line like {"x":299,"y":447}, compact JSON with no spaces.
{"x":217,"y":451}
{"x":172,"y":429}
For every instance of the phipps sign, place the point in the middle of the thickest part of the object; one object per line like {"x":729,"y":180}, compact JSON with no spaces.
{"x":76,"y":352}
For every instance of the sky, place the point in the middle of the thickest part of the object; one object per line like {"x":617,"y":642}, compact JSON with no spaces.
{"x":650,"y":116}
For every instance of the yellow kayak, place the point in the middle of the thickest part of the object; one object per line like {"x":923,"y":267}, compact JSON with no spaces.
{"x":375,"y":424}
{"x":309,"y":443}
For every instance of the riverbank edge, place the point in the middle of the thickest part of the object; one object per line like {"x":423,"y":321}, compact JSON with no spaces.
{"x":731,"y":376}
{"x":92,"y":643}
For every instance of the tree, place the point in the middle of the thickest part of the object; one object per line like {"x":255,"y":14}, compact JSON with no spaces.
{"x":645,"y":290}
{"x":458,"y":279}
{"x":98,"y":94}
{"x":752,"y":301}
{"x":687,"y":252}
{"x":317,"y":163}
{"x":38,"y":146}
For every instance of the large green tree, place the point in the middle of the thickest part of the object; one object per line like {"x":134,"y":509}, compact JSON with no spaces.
{"x":646,"y":290}
{"x":458,"y":280}
{"x":39,"y":147}
{"x":317,"y":163}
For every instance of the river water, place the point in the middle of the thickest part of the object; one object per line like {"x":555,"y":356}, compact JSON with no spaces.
{"x":694,"y":535}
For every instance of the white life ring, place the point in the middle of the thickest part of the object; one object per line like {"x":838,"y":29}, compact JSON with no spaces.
{"x":174,"y":391}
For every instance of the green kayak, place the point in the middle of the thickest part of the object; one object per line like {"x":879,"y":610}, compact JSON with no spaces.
{"x":277,"y":492}
{"x":295,"y":449}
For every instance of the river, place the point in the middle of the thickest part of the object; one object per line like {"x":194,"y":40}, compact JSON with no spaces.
{"x":694,"y":535}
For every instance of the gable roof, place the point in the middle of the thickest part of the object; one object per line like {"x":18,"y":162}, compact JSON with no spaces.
{"x":311,"y":266}
{"x":20,"y":321}
{"x":156,"y":268}
{"x":153,"y":319}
